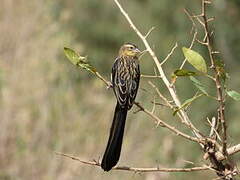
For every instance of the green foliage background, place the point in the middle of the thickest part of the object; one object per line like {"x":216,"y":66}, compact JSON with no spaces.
{"x":47,"y":105}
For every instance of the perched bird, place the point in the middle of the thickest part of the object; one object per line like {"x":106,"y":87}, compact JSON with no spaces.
{"x":125,"y":81}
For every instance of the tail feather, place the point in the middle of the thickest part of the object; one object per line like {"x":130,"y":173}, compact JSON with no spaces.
{"x":114,"y":145}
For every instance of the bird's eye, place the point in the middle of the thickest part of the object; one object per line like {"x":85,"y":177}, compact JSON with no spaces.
{"x":131,"y":47}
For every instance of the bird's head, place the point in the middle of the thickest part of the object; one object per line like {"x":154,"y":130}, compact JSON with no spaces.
{"x":129,"y":49}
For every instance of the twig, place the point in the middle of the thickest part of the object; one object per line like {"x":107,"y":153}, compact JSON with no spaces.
{"x":190,"y":47}
{"x":150,"y":30}
{"x":161,"y":96}
{"x":194,"y":35}
{"x":159,"y":104}
{"x":154,"y":106}
{"x":214,"y":125}
{"x":169,"y":54}
{"x":134,"y":169}
{"x":150,"y":76}
{"x":191,"y":19}
{"x":108,"y":83}
{"x":189,"y":125}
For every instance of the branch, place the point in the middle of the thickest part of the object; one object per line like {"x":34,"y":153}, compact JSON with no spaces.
{"x":150,"y":30}
{"x":169,"y":54}
{"x":171,"y":128}
{"x":150,"y":76}
{"x":194,"y":35}
{"x":230,"y":151}
{"x":190,"y":126}
{"x":134,"y":169}
{"x":108,"y":83}
{"x":219,"y":87}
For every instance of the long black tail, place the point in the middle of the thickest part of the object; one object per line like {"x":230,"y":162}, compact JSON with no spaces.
{"x":114,"y":145}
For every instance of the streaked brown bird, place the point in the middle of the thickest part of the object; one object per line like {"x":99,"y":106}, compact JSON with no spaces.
{"x":125,"y":81}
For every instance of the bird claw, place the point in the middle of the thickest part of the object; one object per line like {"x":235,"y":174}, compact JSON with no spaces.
{"x":109,"y":85}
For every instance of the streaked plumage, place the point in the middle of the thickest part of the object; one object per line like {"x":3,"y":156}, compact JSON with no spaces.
{"x":125,"y":80}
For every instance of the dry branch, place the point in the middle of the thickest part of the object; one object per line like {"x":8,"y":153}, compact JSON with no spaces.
{"x":219,"y":87}
{"x":134,"y":169}
{"x":169,"y":54}
{"x":171,"y":128}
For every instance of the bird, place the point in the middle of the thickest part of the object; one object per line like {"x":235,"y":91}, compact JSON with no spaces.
{"x":125,"y":78}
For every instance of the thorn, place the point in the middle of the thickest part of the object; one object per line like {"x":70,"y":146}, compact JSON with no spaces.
{"x":211,"y":19}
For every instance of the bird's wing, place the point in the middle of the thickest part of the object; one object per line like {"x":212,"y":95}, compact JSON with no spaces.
{"x":119,"y":80}
{"x":125,"y":80}
{"x":134,"y":83}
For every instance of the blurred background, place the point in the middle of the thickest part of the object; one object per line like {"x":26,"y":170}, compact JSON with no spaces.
{"x":47,"y":104}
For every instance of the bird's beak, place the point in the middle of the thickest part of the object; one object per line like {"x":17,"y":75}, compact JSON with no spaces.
{"x":137,"y":51}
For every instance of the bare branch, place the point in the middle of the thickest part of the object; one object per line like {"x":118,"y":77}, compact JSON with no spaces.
{"x":201,"y":42}
{"x":169,"y":54}
{"x":154,"y":106}
{"x":191,"y":19}
{"x":161,"y":95}
{"x":190,"y":126}
{"x":159,"y":104}
{"x":171,"y":128}
{"x":150,"y":30}
{"x":134,"y":169}
{"x":150,"y":76}
{"x":108,"y":83}
{"x":219,"y":87}
{"x":213,"y":131}
{"x":231,"y":151}
{"x":199,"y":20}
{"x":142,"y":54}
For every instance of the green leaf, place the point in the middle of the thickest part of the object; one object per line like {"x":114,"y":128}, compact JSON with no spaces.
{"x":199,"y":85}
{"x":78,"y":60}
{"x":72,"y":55}
{"x":184,"y":72}
{"x":195,"y":59}
{"x":187,"y":103}
{"x":233,"y":94}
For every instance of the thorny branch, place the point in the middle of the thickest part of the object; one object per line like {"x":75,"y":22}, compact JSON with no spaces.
{"x":219,"y":87}
{"x":226,"y":169}
{"x":193,"y":128}
{"x":134,"y":169}
{"x":164,"y":124}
